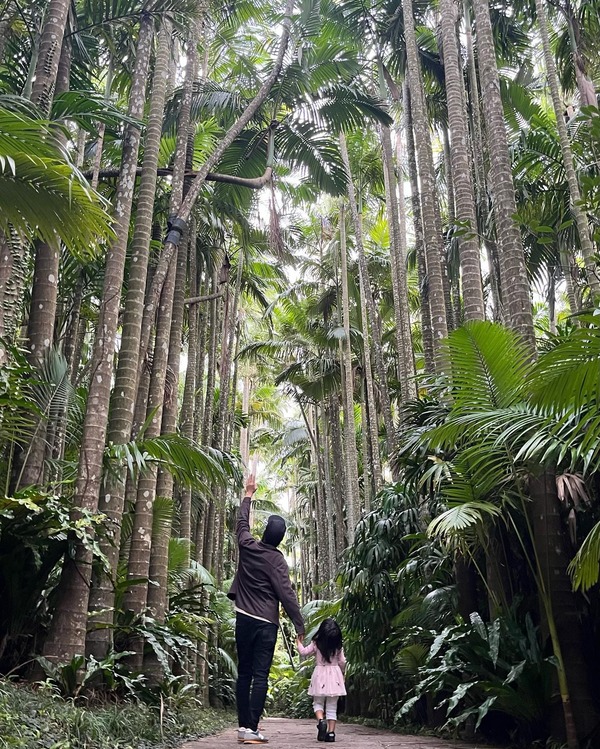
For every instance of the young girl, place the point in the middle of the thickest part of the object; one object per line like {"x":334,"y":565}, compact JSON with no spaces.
{"x":327,"y":682}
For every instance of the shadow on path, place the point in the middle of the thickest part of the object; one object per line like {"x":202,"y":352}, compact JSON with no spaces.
{"x":297,"y":734}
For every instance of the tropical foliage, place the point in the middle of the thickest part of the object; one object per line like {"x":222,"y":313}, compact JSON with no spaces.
{"x":351,"y":246}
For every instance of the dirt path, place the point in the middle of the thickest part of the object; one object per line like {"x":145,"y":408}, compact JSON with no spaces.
{"x":298,"y":734}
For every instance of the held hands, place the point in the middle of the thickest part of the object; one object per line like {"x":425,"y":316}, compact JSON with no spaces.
{"x":250,"y":485}
{"x":300,"y":639}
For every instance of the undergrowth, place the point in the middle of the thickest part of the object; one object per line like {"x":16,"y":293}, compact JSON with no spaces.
{"x":42,"y":719}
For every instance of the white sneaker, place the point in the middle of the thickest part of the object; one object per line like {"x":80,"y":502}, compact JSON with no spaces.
{"x":255,"y":737}
{"x":242,"y":734}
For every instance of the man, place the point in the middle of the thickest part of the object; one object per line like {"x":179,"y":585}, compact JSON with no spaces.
{"x":261,"y":583}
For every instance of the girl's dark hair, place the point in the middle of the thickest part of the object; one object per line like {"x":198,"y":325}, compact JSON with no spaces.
{"x":329,"y":638}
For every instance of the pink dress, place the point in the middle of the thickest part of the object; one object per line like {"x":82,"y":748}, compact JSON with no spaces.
{"x":328,"y":678}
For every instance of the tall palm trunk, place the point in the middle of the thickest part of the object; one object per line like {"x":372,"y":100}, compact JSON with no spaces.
{"x":351,"y":453}
{"x":7,"y":262}
{"x":587,"y":91}
{"x":68,"y":628}
{"x":227,"y":352}
{"x":123,"y":398}
{"x":339,"y":472}
{"x":583,"y":228}
{"x":208,"y":429}
{"x":462,"y":180}
{"x":245,"y":430}
{"x":159,"y":552}
{"x":323,"y":569}
{"x":561,"y":624}
{"x":141,"y":536}
{"x":159,"y":559}
{"x":515,"y":285}
{"x":368,"y":310}
{"x":478,"y":155}
{"x":415,"y":197}
{"x":186,"y":420}
{"x":50,"y":46}
{"x":432,"y":232}
{"x":44,"y":289}
{"x":405,"y":358}
{"x":328,"y":488}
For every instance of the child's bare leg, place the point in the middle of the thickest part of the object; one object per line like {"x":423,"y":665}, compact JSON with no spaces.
{"x":331,"y":726}
{"x":319,"y":708}
{"x":319,"y":714}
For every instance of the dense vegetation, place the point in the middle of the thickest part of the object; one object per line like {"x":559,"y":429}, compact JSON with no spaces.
{"x":351,"y":245}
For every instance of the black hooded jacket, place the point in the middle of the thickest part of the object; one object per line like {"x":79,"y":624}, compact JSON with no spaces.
{"x":262,"y":580}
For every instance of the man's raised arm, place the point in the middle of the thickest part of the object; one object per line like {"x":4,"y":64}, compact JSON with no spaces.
{"x":244,"y":536}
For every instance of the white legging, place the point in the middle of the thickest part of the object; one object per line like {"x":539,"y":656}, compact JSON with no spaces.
{"x":327,"y":705}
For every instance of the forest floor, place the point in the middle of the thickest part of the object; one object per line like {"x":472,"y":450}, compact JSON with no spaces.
{"x":297,"y":734}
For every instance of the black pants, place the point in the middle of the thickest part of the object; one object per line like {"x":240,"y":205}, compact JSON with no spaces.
{"x":255,"y":641}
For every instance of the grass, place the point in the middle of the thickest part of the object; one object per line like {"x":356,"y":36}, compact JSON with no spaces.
{"x":42,"y":719}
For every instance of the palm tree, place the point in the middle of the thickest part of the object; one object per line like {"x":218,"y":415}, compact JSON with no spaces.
{"x":405,"y":359}
{"x":426,"y":330}
{"x":350,"y":452}
{"x":462,"y":180}
{"x":515,"y":289}
{"x":111,"y":500}
{"x":68,"y":630}
{"x":481,"y":352}
{"x":369,"y":316}
{"x":581,"y":220}
{"x":432,"y":232}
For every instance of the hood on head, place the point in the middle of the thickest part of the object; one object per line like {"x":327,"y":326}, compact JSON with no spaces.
{"x":275,"y":530}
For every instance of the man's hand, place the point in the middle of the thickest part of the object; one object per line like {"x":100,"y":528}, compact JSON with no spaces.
{"x":250,"y":485}
{"x":300,"y":639}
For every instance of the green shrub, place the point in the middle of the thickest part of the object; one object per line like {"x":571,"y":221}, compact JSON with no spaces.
{"x":490,"y":675}
{"x":288,"y":691}
{"x":42,"y":719}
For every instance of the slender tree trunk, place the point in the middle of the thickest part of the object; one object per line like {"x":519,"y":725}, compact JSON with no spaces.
{"x":368,"y":306}
{"x":426,"y":327}
{"x":323,"y":574}
{"x":329,"y":492}
{"x":562,"y":623}
{"x":367,"y":462}
{"x":159,"y":553}
{"x":44,"y":290}
{"x":68,"y":629}
{"x":138,"y":567}
{"x":50,"y":47}
{"x":398,"y":265}
{"x":587,"y":90}
{"x":245,"y":430}
{"x":515,"y":285}
{"x":202,"y":338}
{"x":339,"y":472}
{"x":186,"y":420}
{"x":581,"y":220}
{"x":6,"y":271}
{"x":352,"y":488}
{"x":157,"y":594}
{"x":431,"y":229}
{"x":209,"y":429}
